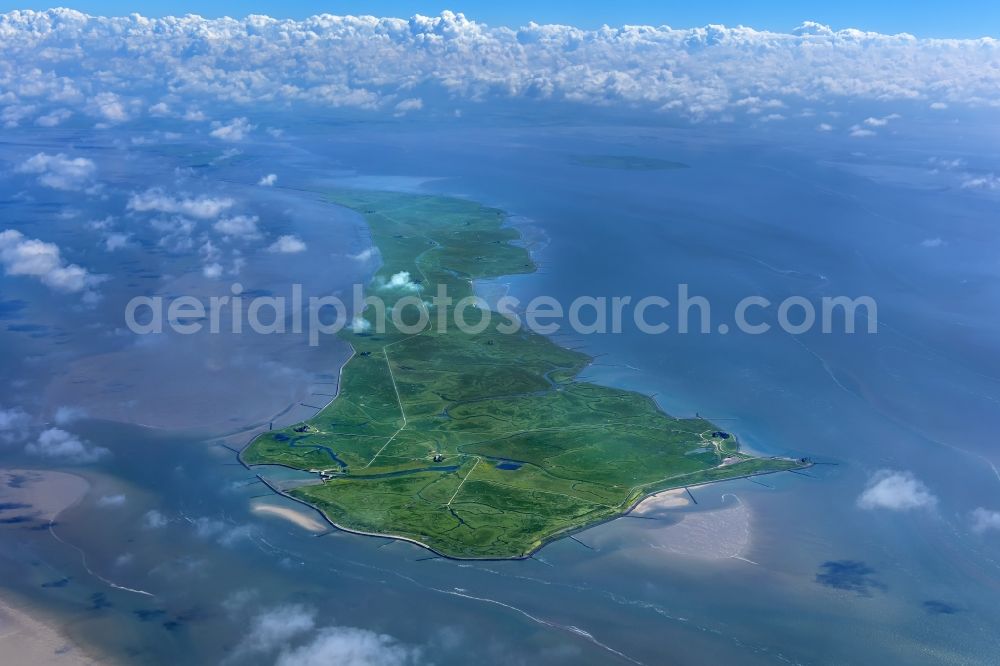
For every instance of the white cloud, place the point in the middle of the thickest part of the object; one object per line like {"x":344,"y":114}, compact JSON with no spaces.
{"x":235,"y":130}
{"x":350,"y":646}
{"x":241,"y":226}
{"x":201,"y":207}
{"x":34,"y":258}
{"x":60,"y":172}
{"x":824,"y":127}
{"x":946,"y":164}
{"x":273,"y":628}
{"x":376,"y":63}
{"x":859,"y":132}
{"x":175,"y":233}
{"x":194,"y":115}
{"x":222,"y":532}
{"x":938,"y":106}
{"x":931,"y":242}
{"x":66,"y":415}
{"x":287,"y":245}
{"x":154,"y":520}
{"x":896,"y":491}
{"x":102,"y":224}
{"x":268,"y":180}
{"x":159,"y":110}
{"x":57,"y":444}
{"x":14,"y":424}
{"x":212,"y":271}
{"x":208,"y":251}
{"x":402,"y":281}
{"x":988,"y":182}
{"x":12,"y":115}
{"x":277,"y":629}
{"x":984,"y":520}
{"x":407,"y":105}
{"x":54,"y":118}
{"x":360,"y":325}
{"x":107,"y":501}
{"x":365,"y":255}
{"x":116,"y":241}
{"x":108,"y":106}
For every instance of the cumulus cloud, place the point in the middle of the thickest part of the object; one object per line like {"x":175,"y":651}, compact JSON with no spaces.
{"x":931,"y":242}
{"x":154,"y":520}
{"x":201,"y":207}
{"x":407,"y":105}
{"x":175,"y":233}
{"x":984,"y":520}
{"x":54,"y":118}
{"x":824,"y":127}
{"x":60,"y":445}
{"x":360,"y":325}
{"x":860,"y":132}
{"x":116,"y":241}
{"x":376,"y":63}
{"x":14,"y":424}
{"x":107,"y":106}
{"x":34,"y":258}
{"x":401,"y":281}
{"x":268,"y":180}
{"x":350,"y":646}
{"x":221,"y":532}
{"x":896,"y":491}
{"x":365,"y":255}
{"x":287,"y":245}
{"x":106,"y":501}
{"x":235,"y":130}
{"x":987,"y":182}
{"x":275,"y":627}
{"x":240,"y":226}
{"x":11,"y":116}
{"x":278,"y":629}
{"x":881,"y":122}
{"x":66,"y":415}
{"x":60,"y":172}
{"x":212,"y":271}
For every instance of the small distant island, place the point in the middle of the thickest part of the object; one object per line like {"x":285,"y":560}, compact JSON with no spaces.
{"x":626,"y":162}
{"x":482,"y":446}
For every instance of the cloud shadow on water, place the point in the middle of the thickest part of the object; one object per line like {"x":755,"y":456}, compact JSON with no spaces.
{"x":936,"y":607}
{"x":849,"y":575}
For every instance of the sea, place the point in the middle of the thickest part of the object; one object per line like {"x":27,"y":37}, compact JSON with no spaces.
{"x":788,"y":568}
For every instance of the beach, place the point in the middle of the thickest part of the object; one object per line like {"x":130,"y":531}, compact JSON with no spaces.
{"x":27,"y":637}
{"x":291,"y":515}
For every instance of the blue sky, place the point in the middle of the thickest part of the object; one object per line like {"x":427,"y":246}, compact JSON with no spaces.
{"x":930,"y":18}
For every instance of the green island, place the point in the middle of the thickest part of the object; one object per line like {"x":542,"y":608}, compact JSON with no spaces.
{"x":480,"y":446}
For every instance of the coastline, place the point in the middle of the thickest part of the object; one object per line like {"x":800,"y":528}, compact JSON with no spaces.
{"x":526,"y":556}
